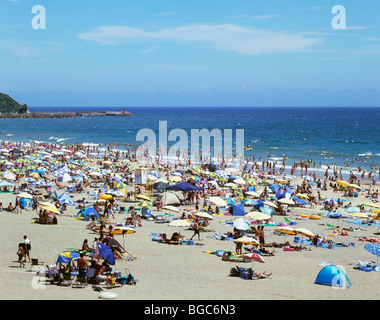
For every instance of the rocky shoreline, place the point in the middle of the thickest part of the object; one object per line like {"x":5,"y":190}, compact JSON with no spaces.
{"x":64,"y":114}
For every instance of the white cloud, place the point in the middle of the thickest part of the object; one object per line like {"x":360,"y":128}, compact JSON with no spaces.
{"x":259,"y":17}
{"x":245,"y":40}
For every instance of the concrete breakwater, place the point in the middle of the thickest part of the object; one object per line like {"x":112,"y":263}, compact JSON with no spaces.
{"x":64,"y":114}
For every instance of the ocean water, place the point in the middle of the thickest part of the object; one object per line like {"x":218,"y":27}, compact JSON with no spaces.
{"x":327,"y":135}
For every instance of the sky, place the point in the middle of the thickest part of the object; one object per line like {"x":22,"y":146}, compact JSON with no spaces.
{"x":191,"y":53}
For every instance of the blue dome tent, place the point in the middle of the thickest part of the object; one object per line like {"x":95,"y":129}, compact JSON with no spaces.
{"x":88,"y":213}
{"x":65,"y":198}
{"x":331,"y":275}
{"x":238,"y":209}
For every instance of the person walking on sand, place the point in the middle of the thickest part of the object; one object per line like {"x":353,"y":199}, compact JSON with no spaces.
{"x":28,"y":245}
{"x":197,"y":227}
{"x":20,"y":254}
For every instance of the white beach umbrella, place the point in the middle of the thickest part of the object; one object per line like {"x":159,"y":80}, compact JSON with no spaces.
{"x":218,"y":201}
{"x":204,"y":215}
{"x":257,"y":215}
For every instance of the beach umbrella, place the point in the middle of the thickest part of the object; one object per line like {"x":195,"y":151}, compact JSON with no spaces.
{"x":25,"y":195}
{"x":123,"y":231}
{"x":252,"y":194}
{"x":230,"y":185}
{"x":175,"y":178}
{"x":359,"y":215}
{"x":254,"y":257}
{"x":266,"y":210}
{"x":171,"y":208}
{"x":251,"y":202}
{"x":9,"y":176}
{"x":105,"y":196}
{"x":270,"y":204}
{"x":247,"y":240}
{"x":204,"y":215}
{"x":371,"y":204}
{"x":50,"y":208}
{"x":252,"y":182}
{"x":342,"y":183}
{"x":240,"y":181}
{"x":285,"y":230}
{"x":352,"y":185}
{"x":352,"y":210}
{"x":302,"y":196}
{"x":180,"y":223}
{"x":304,"y":232}
{"x":143,"y":197}
{"x":257,"y":215}
{"x":106,"y":253}
{"x":286,"y":201}
{"x":373,"y":248}
{"x":218,"y":201}
{"x":68,"y":257}
{"x":4,"y":183}
{"x":241,"y":224}
{"x":144,"y":204}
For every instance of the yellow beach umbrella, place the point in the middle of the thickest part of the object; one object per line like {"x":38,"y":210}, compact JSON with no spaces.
{"x":303,"y":231}
{"x":371,"y":204}
{"x":144,"y":204}
{"x":247,"y":240}
{"x":342,"y":183}
{"x":359,"y":215}
{"x":252,"y":182}
{"x":123,"y":230}
{"x":142,"y":196}
{"x":175,"y":179}
{"x":285,"y":230}
{"x":50,"y":209}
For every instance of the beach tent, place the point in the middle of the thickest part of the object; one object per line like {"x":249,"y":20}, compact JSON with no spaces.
{"x":332,"y":275}
{"x":238,"y":209}
{"x":4,"y":183}
{"x":184,"y":186}
{"x":274,"y":187}
{"x":88,"y":213}
{"x":169,"y":198}
{"x":65,"y":177}
{"x":160,"y":185}
{"x":25,"y":203}
{"x":111,"y":242}
{"x":300,"y":201}
{"x":65,"y":198}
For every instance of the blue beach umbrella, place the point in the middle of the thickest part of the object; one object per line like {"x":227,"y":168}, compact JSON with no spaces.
{"x":242,"y":224}
{"x":68,"y":257}
{"x":374,"y":249}
{"x":106,"y":253}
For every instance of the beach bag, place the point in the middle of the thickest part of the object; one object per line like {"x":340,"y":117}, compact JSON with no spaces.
{"x":130,"y":279}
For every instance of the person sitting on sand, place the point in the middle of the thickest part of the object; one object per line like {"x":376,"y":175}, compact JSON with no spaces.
{"x":85,"y":246}
{"x":10,"y":208}
{"x":99,"y":276}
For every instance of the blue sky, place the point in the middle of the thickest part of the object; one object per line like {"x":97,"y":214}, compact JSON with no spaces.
{"x":191,"y":53}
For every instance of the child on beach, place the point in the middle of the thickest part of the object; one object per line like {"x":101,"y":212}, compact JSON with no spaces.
{"x":20,"y":254}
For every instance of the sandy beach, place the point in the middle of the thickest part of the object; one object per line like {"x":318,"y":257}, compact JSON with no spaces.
{"x":191,"y":272}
